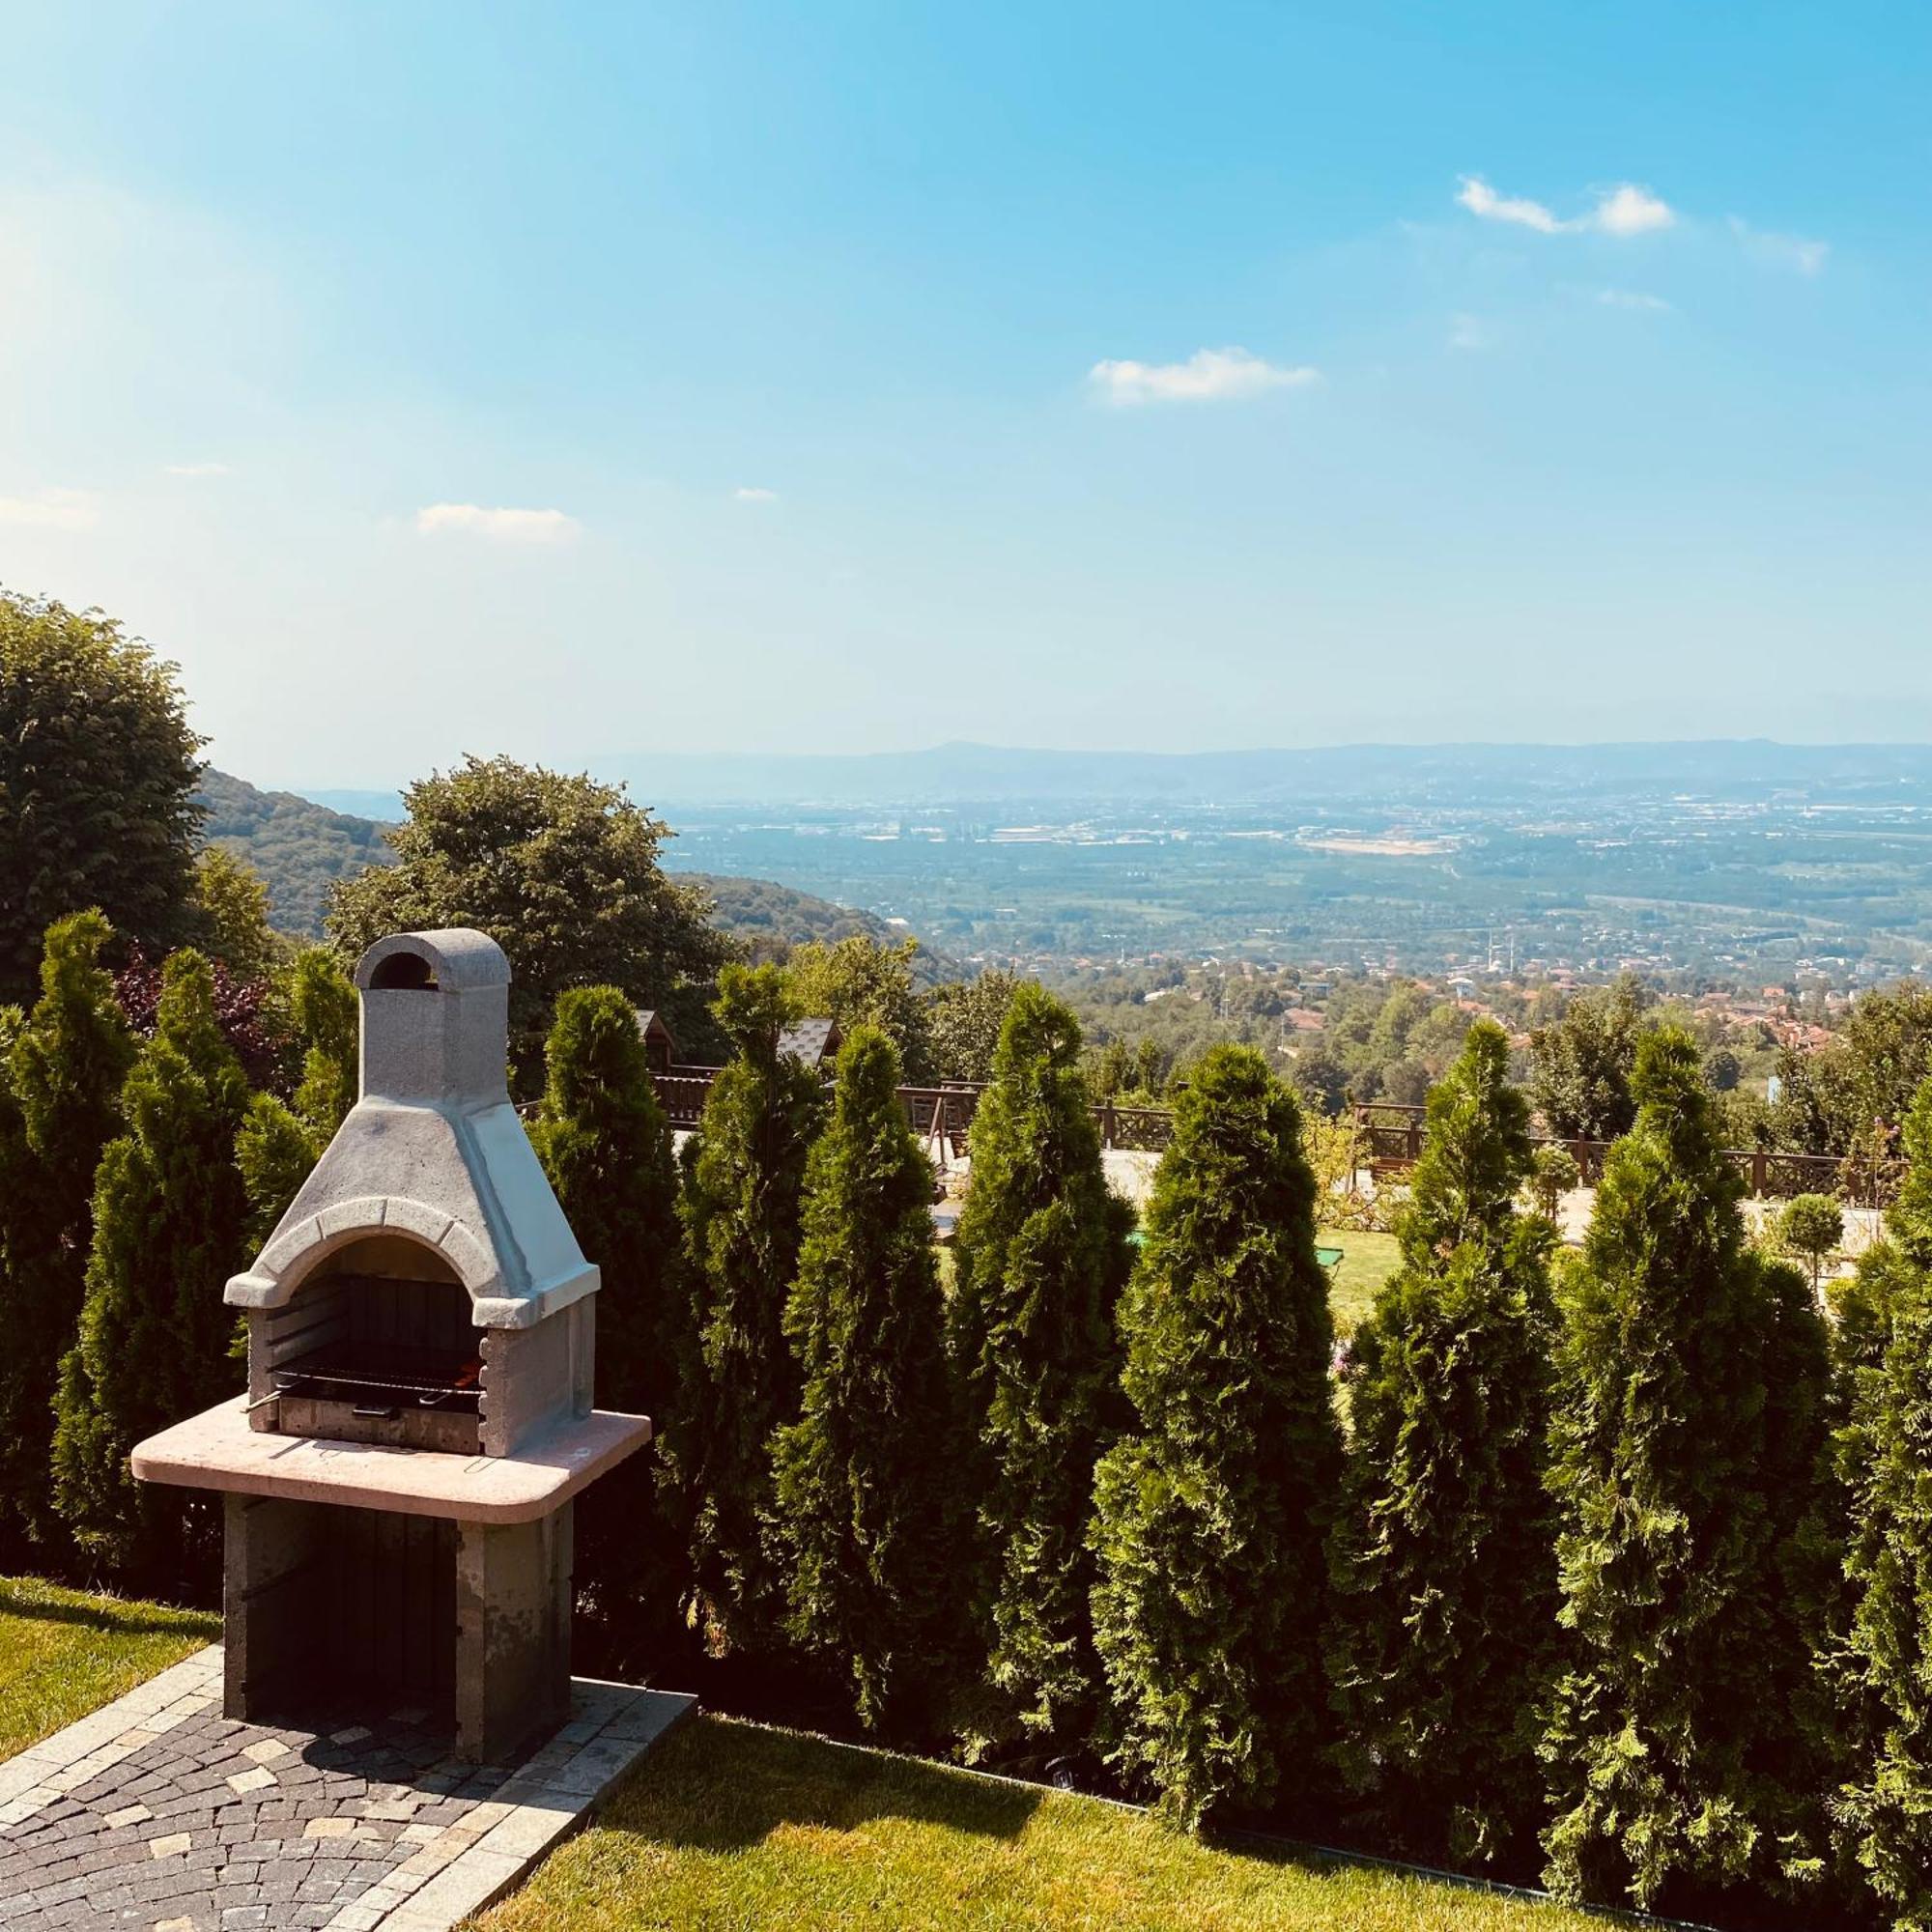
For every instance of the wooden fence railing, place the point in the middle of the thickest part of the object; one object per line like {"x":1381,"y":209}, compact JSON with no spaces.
{"x":944,"y":1112}
{"x":1389,"y":1140}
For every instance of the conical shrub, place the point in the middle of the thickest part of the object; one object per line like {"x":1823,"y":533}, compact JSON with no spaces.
{"x":869,"y":1494}
{"x":1210,"y":1512}
{"x":1443,"y":1643}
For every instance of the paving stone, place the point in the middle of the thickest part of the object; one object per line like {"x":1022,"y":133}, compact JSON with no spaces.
{"x":160,"y":1813}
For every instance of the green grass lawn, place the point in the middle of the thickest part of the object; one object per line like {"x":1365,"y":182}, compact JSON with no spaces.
{"x":729,"y":1825}
{"x":64,"y":1653}
{"x":1367,"y":1261}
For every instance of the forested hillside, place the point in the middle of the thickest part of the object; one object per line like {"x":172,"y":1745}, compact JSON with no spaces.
{"x":300,"y":848}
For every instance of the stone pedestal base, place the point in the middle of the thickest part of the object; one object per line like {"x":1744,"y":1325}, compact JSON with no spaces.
{"x":468,"y":1622}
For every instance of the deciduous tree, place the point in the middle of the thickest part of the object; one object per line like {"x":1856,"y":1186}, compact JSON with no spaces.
{"x":857,"y":982}
{"x":563,"y":872}
{"x":97,"y":774}
{"x":966,"y":1018}
{"x":1442,"y":1645}
{"x":1209,"y":1514}
{"x":231,"y":909}
{"x":1580,"y":1079}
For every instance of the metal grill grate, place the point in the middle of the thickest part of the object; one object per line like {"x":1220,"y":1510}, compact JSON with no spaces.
{"x":371,"y":1375}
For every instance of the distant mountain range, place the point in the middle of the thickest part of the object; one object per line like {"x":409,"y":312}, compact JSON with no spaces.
{"x":300,"y":849}
{"x":962,"y":772}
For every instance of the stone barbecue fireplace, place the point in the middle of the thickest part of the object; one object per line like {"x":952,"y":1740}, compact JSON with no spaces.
{"x":398,"y":1479}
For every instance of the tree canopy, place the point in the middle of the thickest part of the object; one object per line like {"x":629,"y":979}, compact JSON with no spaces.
{"x":97,"y":775}
{"x":1882,"y":1661}
{"x":857,"y":982}
{"x":561,"y":871}
{"x":1582,"y":1063}
{"x":966,"y":1018}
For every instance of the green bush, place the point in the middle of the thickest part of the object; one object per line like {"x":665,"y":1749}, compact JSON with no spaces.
{"x":1883,"y":1661}
{"x":1444,"y":1639}
{"x":1552,"y":1174}
{"x":741,"y":1209}
{"x":1690,"y":1416}
{"x":1042,"y":1253}
{"x":61,"y":1070}
{"x":169,"y":1221}
{"x":1810,"y":1227}
{"x":606,"y":1146}
{"x":869,"y":1493}
{"x":1209,"y":1514}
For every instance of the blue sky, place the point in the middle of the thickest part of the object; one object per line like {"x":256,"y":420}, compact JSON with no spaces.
{"x":571,"y":380}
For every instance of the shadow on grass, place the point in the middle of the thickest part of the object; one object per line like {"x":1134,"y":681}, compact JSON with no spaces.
{"x":30,"y":1601}
{"x":717,"y":1785}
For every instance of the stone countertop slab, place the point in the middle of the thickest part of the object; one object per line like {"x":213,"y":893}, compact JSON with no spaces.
{"x":217,"y":1450}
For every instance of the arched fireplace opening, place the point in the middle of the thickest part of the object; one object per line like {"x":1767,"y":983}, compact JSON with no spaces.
{"x":378,"y":1345}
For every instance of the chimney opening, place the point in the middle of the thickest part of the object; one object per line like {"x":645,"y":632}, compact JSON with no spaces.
{"x":404,"y":972}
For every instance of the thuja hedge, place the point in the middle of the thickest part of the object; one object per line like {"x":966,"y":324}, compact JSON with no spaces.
{"x":1615,"y":1564}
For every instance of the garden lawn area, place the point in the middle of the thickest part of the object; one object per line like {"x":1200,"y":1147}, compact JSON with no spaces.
{"x":64,"y":1653}
{"x":1367,"y":1261}
{"x":732,"y":1824}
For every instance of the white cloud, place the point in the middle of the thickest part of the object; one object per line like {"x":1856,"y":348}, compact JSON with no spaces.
{"x":52,"y":510}
{"x":1209,"y":375}
{"x":1630,"y":210}
{"x":1624,"y":209}
{"x":755,"y":493}
{"x":1633,"y":299}
{"x":531,"y":527}
{"x":194,"y":469}
{"x":1481,"y":199}
{"x":1780,"y":251}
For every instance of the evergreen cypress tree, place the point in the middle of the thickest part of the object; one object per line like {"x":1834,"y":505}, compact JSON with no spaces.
{"x":63,"y":1072}
{"x":740,"y":1211}
{"x":19,"y":1245}
{"x":1442,"y":1646}
{"x":1691,"y":1413}
{"x":1881,"y":1664}
{"x":1042,"y":1255}
{"x":169,"y":1216}
{"x":1209,"y":1515}
{"x":868,"y":1479}
{"x":606,"y":1147}
{"x":279,"y":1141}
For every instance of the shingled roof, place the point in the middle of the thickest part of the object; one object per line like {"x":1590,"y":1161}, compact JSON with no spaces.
{"x":813,"y":1041}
